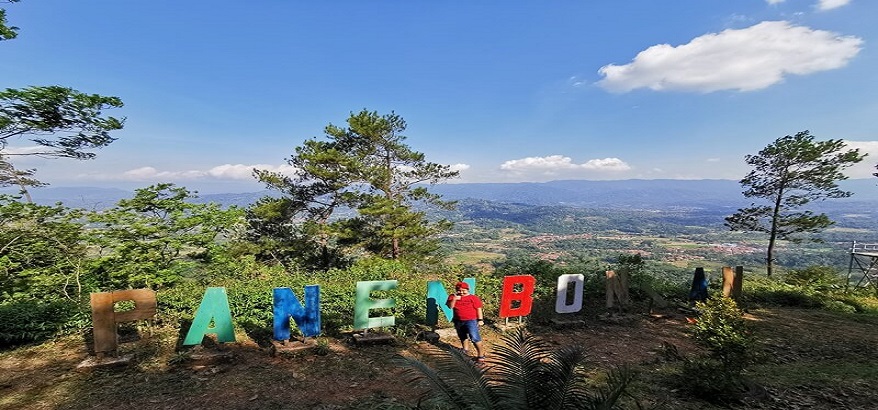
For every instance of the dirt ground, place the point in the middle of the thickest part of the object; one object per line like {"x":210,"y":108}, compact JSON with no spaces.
{"x":810,"y":360}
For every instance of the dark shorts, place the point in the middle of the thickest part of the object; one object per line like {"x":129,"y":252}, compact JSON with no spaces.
{"x":468,"y":328}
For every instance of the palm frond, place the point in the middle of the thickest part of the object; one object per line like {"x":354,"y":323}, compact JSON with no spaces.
{"x":453,"y":378}
{"x":565,"y":379}
{"x":617,"y":383}
{"x":525,"y":373}
{"x":517,"y":376}
{"x":418,"y":372}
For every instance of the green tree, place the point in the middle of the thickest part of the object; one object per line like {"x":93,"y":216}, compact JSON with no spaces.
{"x":42,"y":254}
{"x":157,"y":237}
{"x":7,"y":32}
{"x":297,"y":226}
{"x":392,"y":171}
{"x":790,"y":173}
{"x":41,"y":113}
{"x":367,"y":167}
{"x":23,"y":178}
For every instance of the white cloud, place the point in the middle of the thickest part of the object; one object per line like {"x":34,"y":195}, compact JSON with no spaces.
{"x":459,"y":167}
{"x":556,"y":163}
{"x":606,"y":164}
{"x":576,"y":81}
{"x":866,"y":167}
{"x":824,"y":5}
{"x":238,"y":172}
{"x":245,"y":172}
{"x":552,"y":162}
{"x":775,"y":1}
{"x":712,"y":160}
{"x":745,"y":59}
{"x":10,"y":150}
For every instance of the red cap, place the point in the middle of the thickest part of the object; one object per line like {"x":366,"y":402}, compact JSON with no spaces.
{"x":461,"y":285}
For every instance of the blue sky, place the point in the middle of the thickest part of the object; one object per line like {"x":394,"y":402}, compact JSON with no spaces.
{"x":506,"y":91}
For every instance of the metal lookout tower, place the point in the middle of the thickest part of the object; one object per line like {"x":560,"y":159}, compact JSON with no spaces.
{"x":864,"y":258}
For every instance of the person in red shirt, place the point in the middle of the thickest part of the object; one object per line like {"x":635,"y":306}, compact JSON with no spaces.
{"x":467,"y":317}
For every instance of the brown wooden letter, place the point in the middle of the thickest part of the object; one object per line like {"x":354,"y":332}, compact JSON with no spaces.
{"x":728,"y":281}
{"x":105,"y":318}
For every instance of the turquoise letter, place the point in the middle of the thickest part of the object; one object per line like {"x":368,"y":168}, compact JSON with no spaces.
{"x":286,"y":305}
{"x":436,"y":297}
{"x":365,"y":303}
{"x":214,"y":308}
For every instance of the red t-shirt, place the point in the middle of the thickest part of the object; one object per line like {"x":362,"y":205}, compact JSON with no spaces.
{"x":466,"y":308}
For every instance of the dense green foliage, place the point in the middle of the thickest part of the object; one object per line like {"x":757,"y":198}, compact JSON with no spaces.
{"x":156,"y":238}
{"x":41,"y":250}
{"x":52,"y":256}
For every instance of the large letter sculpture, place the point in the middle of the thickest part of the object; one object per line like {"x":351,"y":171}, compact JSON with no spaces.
{"x":564,"y":281}
{"x":524,"y":297}
{"x":436,"y":297}
{"x":214,"y":308}
{"x":365,"y":303}
{"x":105,"y":318}
{"x":287,"y":306}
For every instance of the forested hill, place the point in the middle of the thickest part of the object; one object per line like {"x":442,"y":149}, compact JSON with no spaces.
{"x":632,"y":194}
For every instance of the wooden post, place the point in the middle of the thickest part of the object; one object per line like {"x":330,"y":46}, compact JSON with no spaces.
{"x":728,"y":281}
{"x":611,"y":280}
{"x":738,"y":284}
{"x":617,"y":289}
{"x":103,"y":323}
{"x":622,"y":290}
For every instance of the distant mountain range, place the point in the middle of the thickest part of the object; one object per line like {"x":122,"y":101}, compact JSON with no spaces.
{"x":629,"y":194}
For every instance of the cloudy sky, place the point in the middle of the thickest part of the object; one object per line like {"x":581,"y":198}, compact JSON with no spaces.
{"x":503,"y":91}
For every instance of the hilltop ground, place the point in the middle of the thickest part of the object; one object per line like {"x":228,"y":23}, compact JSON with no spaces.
{"x":810,"y":359}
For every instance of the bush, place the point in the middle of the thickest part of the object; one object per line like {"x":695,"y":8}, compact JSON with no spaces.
{"x":839,"y":306}
{"x":816,"y":278}
{"x":721,"y":329}
{"x":710,"y":380}
{"x":27,"y":321}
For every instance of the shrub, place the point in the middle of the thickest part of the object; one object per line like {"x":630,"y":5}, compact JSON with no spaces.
{"x":27,"y":321}
{"x":839,"y":306}
{"x":817,"y":278}
{"x":721,"y":329}
{"x":710,"y":380}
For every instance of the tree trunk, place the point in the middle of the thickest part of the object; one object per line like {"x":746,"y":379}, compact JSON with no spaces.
{"x":769,"y":259}
{"x":26,"y":193}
